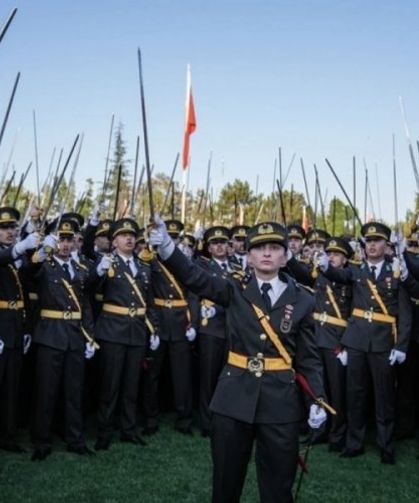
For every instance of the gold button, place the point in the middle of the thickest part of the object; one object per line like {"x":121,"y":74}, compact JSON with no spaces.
{"x":327,"y":302}
{"x":260,"y":355}
{"x":170,"y":296}
{"x":258,"y":374}
{"x":263,"y":337}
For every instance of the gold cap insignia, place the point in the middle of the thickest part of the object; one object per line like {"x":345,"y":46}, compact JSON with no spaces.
{"x":265,"y":229}
{"x":6,"y":215}
{"x":127,"y":225}
{"x":333,"y":243}
{"x":106,"y":226}
{"x":218,"y":232}
{"x":172,"y":227}
{"x":241,"y":232}
{"x":371,"y":229}
{"x":66,"y":226}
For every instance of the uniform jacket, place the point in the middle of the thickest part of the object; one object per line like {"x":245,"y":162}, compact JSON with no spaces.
{"x":117,"y":290}
{"x":375,"y":336}
{"x":12,"y":321}
{"x":53,"y":294}
{"x":274,"y":397}
{"x":173,"y":321}
{"x":328,"y":336}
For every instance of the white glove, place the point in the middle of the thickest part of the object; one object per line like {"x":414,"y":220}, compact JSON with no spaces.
{"x":186,"y":250}
{"x":27,"y":341}
{"x":159,"y":237}
{"x":316,"y":417}
{"x":50,"y":241}
{"x":190,"y":334}
{"x":104,"y":264}
{"x":289,"y":254}
{"x":342,"y":356}
{"x":31,"y":242}
{"x":404,"y":271}
{"x":95,"y":215}
{"x":402,"y":245}
{"x":154,"y":342}
{"x":1,"y":346}
{"x":396,"y":356}
{"x":199,"y":233}
{"x":208,"y":311}
{"x":323,"y":261}
{"x":89,"y":351}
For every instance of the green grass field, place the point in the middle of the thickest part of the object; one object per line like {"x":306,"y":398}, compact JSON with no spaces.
{"x":173,"y":468}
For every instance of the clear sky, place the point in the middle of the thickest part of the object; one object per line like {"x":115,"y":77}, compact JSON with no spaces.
{"x":318,"y":78}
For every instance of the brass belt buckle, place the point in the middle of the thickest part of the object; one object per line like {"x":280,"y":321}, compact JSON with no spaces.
{"x":132,"y":311}
{"x":368,"y":316}
{"x":67,"y":315}
{"x":256,"y":365}
{"x":12,"y":304}
{"x":168,"y":303}
{"x":323,"y":318}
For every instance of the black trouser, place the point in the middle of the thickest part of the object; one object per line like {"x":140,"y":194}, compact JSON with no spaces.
{"x":212,"y":357}
{"x":276,"y":459}
{"x":119,"y":377}
{"x":180,"y":358}
{"x":361,"y":368}
{"x":52,"y":367}
{"x":407,"y":376}
{"x":335,"y":382}
{"x":10,"y":367}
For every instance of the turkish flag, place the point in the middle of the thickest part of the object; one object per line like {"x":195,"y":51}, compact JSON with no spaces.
{"x":190,"y":120}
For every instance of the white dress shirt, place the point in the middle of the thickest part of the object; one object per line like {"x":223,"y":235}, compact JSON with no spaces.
{"x":70,"y":266}
{"x":377,"y":266}
{"x":131,"y":264}
{"x":277,"y":288}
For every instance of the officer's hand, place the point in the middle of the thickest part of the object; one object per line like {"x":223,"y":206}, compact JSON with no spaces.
{"x":104,"y":265}
{"x":94,"y":218}
{"x":317,"y":416}
{"x":1,"y":346}
{"x":404,"y":271}
{"x":50,"y":241}
{"x":27,"y":341}
{"x":89,"y":351}
{"x":159,"y":237}
{"x":323,"y":261}
{"x":208,"y":311}
{"x":396,"y":356}
{"x":31,"y":242}
{"x":190,"y":334}
{"x":289,"y":255}
{"x":154,"y":342}
{"x":342,"y":356}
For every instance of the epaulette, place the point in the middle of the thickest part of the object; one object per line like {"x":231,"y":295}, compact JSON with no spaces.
{"x":82,"y":266}
{"x":309,"y":289}
{"x":355,"y":262}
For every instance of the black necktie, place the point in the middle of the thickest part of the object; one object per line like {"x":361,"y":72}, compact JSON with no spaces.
{"x":128,"y":262}
{"x":67,"y":272}
{"x":373,"y":269}
{"x":224,"y":266}
{"x":265,"y":295}
{"x":240,"y":261}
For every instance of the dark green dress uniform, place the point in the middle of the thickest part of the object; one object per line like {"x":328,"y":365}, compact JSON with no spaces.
{"x":369,"y":338}
{"x":122,"y":329}
{"x":333,"y":307}
{"x":12,"y":325}
{"x":212,"y":334}
{"x":252,"y":401}
{"x":176,"y":312}
{"x":65,"y":318}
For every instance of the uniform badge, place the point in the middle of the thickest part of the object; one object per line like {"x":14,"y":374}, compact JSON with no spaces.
{"x":286,"y":322}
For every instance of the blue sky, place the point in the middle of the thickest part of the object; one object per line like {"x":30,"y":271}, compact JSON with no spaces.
{"x":318,"y":78}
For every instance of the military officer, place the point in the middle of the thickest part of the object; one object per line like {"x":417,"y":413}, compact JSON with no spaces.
{"x":238,"y":235}
{"x":178,"y":325}
{"x":126,"y":325}
{"x":212,"y":327}
{"x":296,"y":235}
{"x":376,"y":338}
{"x":63,"y":336}
{"x":14,"y":339}
{"x":270,"y":333}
